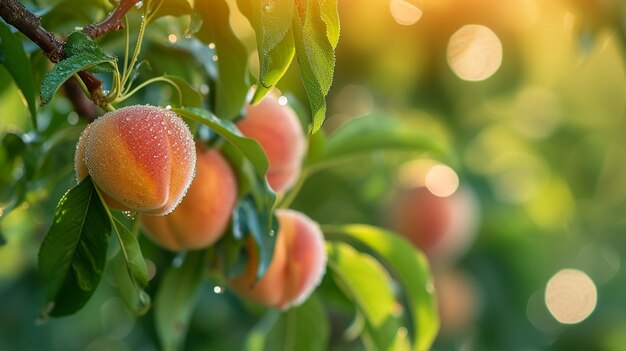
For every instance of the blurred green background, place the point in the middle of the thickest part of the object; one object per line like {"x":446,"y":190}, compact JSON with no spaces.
{"x":540,"y":141}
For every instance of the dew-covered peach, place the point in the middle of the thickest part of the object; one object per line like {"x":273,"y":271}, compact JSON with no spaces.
{"x":201,"y":218}
{"x":142,"y":158}
{"x":277,"y":128}
{"x":297,"y":267}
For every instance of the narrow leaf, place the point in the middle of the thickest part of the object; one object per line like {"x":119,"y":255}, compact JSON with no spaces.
{"x":65,"y":69}
{"x":81,"y":54}
{"x":316,"y":57}
{"x":330,"y":16}
{"x":305,"y":327}
{"x":131,"y":252}
{"x":411,"y":269}
{"x":263,"y":226}
{"x":137,"y":300}
{"x":17,"y":63}
{"x":79,"y":43}
{"x":365,"y":281}
{"x":176,"y":299}
{"x":250,"y":148}
{"x":73,"y":253}
{"x":363,"y":135}
{"x":257,"y":337}
{"x":232,"y":58}
{"x":272,"y":24}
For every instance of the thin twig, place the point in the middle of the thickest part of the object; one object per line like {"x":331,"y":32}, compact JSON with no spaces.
{"x":114,"y":22}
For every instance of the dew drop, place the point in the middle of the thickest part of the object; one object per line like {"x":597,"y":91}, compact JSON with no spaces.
{"x":211,"y":46}
{"x":129,"y":214}
{"x":178,"y":260}
{"x":215,"y":58}
{"x":139,"y":4}
{"x":218,"y":289}
{"x":272,"y":233}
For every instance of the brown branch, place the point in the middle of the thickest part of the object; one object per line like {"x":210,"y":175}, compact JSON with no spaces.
{"x":112,"y":23}
{"x":84,"y":107}
{"x":15,"y":14}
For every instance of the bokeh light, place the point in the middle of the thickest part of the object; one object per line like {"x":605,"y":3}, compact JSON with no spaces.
{"x":404,"y":12}
{"x":442,"y":180}
{"x":571,"y":296}
{"x":474,"y":52}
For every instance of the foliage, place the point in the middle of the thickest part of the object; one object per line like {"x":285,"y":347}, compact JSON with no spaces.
{"x":539,"y":145}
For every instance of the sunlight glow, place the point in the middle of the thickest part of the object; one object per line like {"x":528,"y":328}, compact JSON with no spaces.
{"x":474,"y":52}
{"x":442,"y":180}
{"x":571,"y":296}
{"x":404,"y":12}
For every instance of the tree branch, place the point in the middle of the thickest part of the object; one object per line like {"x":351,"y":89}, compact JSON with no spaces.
{"x":112,"y":23}
{"x":17,"y":15}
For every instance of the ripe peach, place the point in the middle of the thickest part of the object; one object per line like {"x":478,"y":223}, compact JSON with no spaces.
{"x":142,"y":158}
{"x":201,"y":218}
{"x":297,"y":267}
{"x":443,"y":227}
{"x":278,"y":130}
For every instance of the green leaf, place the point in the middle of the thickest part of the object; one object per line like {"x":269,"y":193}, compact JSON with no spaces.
{"x":79,"y":43}
{"x":272,"y":23}
{"x":263,"y":226}
{"x":17,"y":63}
{"x":73,"y":253}
{"x":257,"y":337}
{"x":365,"y":281}
{"x":411,"y":269}
{"x":304,"y":327}
{"x":81,"y":54}
{"x":232,"y":81}
{"x":187,"y":94}
{"x":330,"y":16}
{"x":316,"y":56}
{"x":64,"y":70}
{"x":176,"y":299}
{"x":131,"y":252}
{"x":137,"y":300}
{"x":250,"y":148}
{"x":363,"y":135}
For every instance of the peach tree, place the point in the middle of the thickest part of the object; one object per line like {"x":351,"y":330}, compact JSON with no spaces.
{"x":153,"y":115}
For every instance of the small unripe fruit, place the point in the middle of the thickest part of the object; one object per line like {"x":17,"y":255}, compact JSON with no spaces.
{"x":297,"y":267}
{"x":443,"y":227}
{"x":142,"y":158}
{"x":277,"y":128}
{"x":201,"y":218}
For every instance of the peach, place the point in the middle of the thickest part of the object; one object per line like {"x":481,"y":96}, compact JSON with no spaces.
{"x":201,"y":218}
{"x":443,"y":227}
{"x":297,"y":267}
{"x":277,"y":128}
{"x":142,"y":158}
